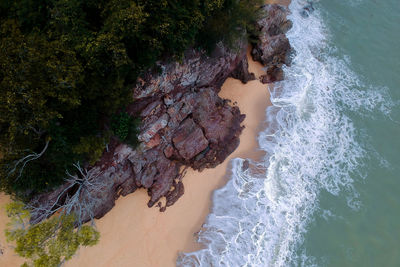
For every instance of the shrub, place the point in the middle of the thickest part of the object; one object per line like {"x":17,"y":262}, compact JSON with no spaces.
{"x":92,"y":147}
{"x":50,"y":242}
{"x":125,"y":128}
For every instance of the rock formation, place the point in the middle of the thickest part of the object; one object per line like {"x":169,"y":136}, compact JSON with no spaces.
{"x":184,"y":121}
{"x":273,"y":49}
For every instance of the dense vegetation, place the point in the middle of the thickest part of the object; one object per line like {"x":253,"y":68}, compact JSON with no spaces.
{"x":67,"y":68}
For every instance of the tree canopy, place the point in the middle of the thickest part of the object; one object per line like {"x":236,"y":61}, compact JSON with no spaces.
{"x":67,"y":68}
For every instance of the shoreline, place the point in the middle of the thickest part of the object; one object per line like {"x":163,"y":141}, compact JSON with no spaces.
{"x":133,"y":233}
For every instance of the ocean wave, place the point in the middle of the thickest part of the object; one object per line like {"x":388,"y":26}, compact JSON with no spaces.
{"x":260,"y":217}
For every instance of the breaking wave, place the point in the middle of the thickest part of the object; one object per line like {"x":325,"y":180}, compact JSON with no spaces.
{"x":260,"y":217}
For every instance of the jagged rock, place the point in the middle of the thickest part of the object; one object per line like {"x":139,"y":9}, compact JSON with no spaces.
{"x":195,"y":70}
{"x":168,"y":171}
{"x":221,"y":125}
{"x":273,"y":48}
{"x":242,"y":72}
{"x":274,"y":74}
{"x":307,"y":9}
{"x":154,"y":141}
{"x":168,"y":151}
{"x":184,"y":121}
{"x":153,"y":128}
{"x":175,"y":194}
{"x":189,"y":139}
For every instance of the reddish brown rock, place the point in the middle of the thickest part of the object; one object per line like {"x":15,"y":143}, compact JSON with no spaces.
{"x":273,"y":49}
{"x":242,"y":72}
{"x":153,"y":128}
{"x":184,"y":121}
{"x":173,"y":195}
{"x":168,"y":171}
{"x":274,"y":74}
{"x":195,"y":70}
{"x":155,"y":141}
{"x":168,"y":151}
{"x":189,"y":139}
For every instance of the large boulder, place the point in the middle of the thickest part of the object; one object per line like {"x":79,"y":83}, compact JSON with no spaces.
{"x":273,"y":49}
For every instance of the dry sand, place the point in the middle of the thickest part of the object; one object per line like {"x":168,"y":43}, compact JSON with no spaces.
{"x":7,"y":256}
{"x":134,"y":235}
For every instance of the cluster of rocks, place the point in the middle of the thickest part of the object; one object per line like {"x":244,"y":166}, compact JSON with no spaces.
{"x":184,"y":121}
{"x":273,"y":48}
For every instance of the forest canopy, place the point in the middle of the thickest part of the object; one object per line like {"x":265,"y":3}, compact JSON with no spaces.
{"x":67,"y":68}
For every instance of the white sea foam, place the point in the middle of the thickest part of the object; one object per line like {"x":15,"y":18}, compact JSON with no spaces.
{"x":259,"y":218}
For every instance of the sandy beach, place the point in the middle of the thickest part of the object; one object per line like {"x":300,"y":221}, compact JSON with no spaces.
{"x":131,"y":233}
{"x":134,"y":235}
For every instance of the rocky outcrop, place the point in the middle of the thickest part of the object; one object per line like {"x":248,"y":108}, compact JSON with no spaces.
{"x":197,"y":70}
{"x":190,"y":127}
{"x":273,"y":49}
{"x":184,"y":122}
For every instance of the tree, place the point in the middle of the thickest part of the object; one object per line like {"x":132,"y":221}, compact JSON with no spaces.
{"x":49,"y":243}
{"x":78,"y":196}
{"x":227,"y":22}
{"x":68,"y":66}
{"x":38,"y":85}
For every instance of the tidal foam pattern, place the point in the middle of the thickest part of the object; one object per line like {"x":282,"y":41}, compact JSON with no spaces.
{"x":260,"y":217}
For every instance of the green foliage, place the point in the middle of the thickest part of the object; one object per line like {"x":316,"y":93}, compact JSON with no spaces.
{"x":93,"y":146}
{"x":228,"y":22}
{"x":67,"y":65}
{"x":38,"y":81}
{"x":120,"y":125}
{"x":125,"y":127}
{"x":50,"y":242}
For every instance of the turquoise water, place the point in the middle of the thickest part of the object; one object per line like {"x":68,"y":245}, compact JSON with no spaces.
{"x":328,"y":191}
{"x":368,"y":32}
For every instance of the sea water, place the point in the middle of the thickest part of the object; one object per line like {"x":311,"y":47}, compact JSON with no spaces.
{"x":328,"y":191}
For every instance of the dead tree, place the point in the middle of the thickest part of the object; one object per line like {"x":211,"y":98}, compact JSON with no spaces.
{"x":79,"y":195}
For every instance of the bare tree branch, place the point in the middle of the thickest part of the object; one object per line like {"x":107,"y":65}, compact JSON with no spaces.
{"x":77,"y":197}
{"x":38,"y":132}
{"x":26,"y":159}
